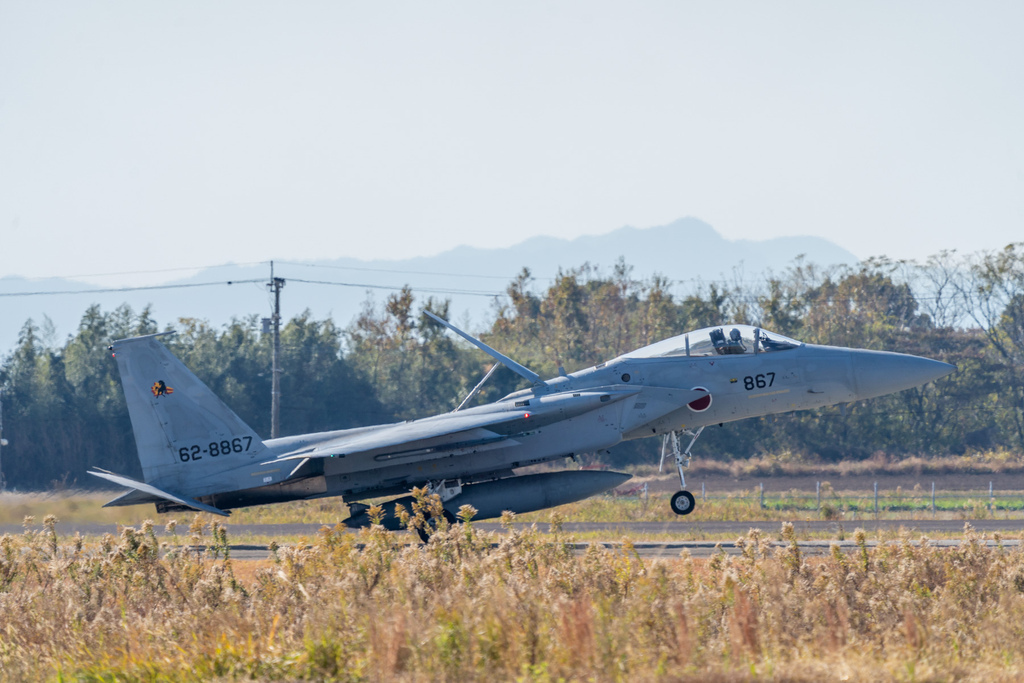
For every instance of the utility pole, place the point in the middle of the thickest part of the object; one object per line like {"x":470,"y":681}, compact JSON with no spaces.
{"x":3,"y":441}
{"x":275,"y":285}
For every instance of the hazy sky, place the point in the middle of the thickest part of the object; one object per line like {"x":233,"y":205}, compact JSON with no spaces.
{"x":139,"y":135}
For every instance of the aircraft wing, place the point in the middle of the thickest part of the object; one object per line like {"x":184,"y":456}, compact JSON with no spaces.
{"x":449,"y":431}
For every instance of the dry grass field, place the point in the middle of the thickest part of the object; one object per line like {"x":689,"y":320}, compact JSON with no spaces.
{"x":370,"y":607}
{"x":844,"y":494}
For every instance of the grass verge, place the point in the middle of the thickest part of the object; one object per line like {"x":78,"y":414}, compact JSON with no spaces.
{"x":474,"y":606}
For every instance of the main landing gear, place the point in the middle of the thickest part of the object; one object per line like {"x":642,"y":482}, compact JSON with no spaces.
{"x":683,"y":501}
{"x":445,"y":492}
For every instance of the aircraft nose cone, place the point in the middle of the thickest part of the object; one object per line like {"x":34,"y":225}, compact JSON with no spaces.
{"x":876,"y":373}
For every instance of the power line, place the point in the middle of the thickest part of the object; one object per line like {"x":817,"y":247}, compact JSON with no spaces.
{"x":292,"y":263}
{"x":800,"y":301}
{"x":115,"y":290}
{"x":429,"y":290}
{"x":400,"y":271}
{"x":305,"y":264}
{"x":680,"y":281}
{"x":145,"y":272}
{"x":111,"y":290}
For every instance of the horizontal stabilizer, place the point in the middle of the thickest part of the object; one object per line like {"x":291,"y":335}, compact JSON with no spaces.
{"x":132,"y":497}
{"x":159,"y":493}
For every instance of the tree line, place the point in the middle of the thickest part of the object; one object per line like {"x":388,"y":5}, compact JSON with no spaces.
{"x":64,"y":410}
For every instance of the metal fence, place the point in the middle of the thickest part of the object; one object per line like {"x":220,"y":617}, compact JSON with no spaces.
{"x":877,"y":501}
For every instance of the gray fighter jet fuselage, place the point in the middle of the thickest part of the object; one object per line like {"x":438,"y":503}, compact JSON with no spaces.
{"x":197,"y":454}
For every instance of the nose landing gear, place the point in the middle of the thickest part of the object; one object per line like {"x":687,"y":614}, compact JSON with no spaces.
{"x":683,"y":501}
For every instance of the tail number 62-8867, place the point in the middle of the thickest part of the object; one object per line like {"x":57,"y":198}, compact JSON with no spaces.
{"x":239,"y":444}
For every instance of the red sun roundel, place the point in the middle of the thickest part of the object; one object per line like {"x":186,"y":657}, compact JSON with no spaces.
{"x":701,"y":404}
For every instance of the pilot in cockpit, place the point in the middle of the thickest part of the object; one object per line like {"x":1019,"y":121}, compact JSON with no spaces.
{"x":731,"y":346}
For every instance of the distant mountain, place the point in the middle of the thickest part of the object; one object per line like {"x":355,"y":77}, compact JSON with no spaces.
{"x":683,"y":251}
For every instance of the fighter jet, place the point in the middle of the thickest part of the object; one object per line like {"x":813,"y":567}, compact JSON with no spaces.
{"x":196,"y":454}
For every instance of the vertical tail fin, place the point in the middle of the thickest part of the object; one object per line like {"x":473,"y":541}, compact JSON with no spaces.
{"x":185,"y":434}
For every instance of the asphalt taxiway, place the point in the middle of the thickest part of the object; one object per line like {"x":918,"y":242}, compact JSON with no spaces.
{"x":694,"y":538}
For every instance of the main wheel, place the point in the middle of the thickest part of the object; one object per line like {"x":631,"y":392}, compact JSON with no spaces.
{"x":683,"y":503}
{"x":449,"y":517}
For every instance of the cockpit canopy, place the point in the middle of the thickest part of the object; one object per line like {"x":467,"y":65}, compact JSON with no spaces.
{"x":723,"y":340}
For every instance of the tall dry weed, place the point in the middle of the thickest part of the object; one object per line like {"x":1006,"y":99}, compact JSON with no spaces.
{"x":378,"y":605}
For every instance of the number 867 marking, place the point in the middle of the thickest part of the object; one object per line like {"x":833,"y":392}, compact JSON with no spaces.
{"x":759,"y":381}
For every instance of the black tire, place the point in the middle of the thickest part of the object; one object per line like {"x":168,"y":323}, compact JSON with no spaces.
{"x":683,"y":503}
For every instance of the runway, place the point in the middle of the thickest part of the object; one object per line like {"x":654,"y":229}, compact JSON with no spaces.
{"x":685,"y":530}
{"x":694,"y":530}
{"x":692,"y":537}
{"x":671,"y":550}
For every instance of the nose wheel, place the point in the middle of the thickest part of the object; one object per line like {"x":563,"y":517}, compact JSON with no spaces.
{"x":683,"y":501}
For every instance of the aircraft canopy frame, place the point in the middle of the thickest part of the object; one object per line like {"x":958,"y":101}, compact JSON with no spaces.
{"x":719,"y":340}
